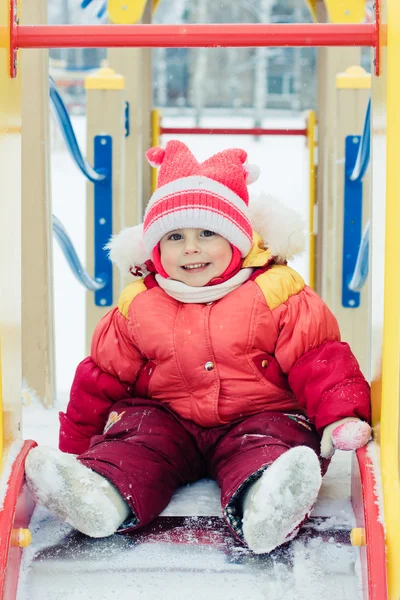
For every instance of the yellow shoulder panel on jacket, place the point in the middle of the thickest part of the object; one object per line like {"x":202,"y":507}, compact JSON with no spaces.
{"x":129,"y":293}
{"x":278,"y":284}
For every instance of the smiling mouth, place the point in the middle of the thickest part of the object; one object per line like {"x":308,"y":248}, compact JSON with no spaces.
{"x":195,"y":266}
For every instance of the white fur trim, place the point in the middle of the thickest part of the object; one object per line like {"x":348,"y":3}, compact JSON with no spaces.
{"x":153,"y":164}
{"x":126,"y":249}
{"x":198,"y":183}
{"x":155,"y":156}
{"x":281,"y":228}
{"x":252,"y":173}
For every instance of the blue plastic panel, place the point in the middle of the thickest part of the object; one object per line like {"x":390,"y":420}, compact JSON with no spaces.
{"x":352,"y":222}
{"x":103,"y":218}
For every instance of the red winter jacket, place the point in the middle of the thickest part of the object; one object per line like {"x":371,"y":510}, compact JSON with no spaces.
{"x":270,"y":345}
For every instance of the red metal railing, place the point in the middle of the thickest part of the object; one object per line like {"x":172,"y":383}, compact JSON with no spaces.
{"x":373,"y":557}
{"x":229,"y":131}
{"x":242,"y":35}
{"x":193,"y":36}
{"x":16,"y":512}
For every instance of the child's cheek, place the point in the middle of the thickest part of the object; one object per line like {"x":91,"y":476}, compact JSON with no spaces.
{"x":168,"y":261}
{"x":223,"y":255}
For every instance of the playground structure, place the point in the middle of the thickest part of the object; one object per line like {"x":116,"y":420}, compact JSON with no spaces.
{"x":343,"y":100}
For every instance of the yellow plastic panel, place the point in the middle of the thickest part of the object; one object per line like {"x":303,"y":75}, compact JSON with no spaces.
{"x":105,"y":79}
{"x":390,"y":412}
{"x":346,"y":11}
{"x":126,"y":11}
{"x":312,"y":4}
{"x":353,"y":78}
{"x":1,"y":413}
{"x":341,"y":11}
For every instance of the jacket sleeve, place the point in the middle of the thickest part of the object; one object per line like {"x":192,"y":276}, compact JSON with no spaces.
{"x":322,"y":371}
{"x":101,"y":380}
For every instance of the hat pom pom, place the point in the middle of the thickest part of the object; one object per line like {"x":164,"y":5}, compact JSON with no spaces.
{"x":155,"y":156}
{"x":127,"y":251}
{"x":281,"y":228}
{"x":252,"y":173}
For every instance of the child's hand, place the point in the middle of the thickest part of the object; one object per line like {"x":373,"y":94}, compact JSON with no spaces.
{"x":346,"y":434}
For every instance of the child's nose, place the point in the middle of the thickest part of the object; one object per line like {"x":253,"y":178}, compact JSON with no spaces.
{"x":191,"y":247}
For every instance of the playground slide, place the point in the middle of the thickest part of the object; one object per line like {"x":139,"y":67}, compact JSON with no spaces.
{"x":194,"y":555}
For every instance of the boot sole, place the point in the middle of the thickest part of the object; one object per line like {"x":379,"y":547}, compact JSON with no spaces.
{"x":287,"y":492}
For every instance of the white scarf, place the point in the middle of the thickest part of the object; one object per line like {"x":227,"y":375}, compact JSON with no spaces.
{"x":199,"y":295}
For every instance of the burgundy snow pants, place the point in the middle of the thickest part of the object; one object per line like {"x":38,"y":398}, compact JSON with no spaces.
{"x":147,"y":452}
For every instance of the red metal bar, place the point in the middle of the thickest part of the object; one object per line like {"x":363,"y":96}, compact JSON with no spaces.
{"x":16,"y":512}
{"x":377,"y":58}
{"x":229,"y":131}
{"x":193,"y":36}
{"x":375,"y":588}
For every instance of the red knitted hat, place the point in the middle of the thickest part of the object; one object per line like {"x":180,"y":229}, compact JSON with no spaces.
{"x":211,"y":195}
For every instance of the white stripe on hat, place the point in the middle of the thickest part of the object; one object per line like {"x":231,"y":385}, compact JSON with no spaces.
{"x":198,"y":183}
{"x":192,"y":218}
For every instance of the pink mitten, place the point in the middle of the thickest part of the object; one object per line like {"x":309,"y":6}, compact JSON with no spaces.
{"x":346,"y":434}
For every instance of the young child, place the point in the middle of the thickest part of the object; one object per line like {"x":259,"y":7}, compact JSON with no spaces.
{"x":220,"y":362}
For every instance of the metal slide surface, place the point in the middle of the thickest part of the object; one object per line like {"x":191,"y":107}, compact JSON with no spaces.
{"x":184,"y":556}
{"x":196,"y":557}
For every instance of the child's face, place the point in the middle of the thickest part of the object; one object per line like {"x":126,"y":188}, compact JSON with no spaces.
{"x":194,"y":256}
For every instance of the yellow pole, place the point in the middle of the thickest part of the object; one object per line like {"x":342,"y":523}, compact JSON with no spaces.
{"x":10,"y":239}
{"x":1,"y":415}
{"x":389,"y":432}
{"x":155,"y":141}
{"x":311,"y":126}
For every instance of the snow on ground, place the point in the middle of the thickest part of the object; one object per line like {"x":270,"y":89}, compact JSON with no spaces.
{"x":113,"y":568}
{"x":318,"y":571}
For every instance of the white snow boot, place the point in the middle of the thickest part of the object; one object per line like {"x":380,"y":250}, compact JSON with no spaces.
{"x":275,"y":506}
{"x":75,"y":493}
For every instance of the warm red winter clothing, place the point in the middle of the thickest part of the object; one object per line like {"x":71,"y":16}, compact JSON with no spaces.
{"x":147,"y":451}
{"x":218,"y":377}
{"x":270,"y":345}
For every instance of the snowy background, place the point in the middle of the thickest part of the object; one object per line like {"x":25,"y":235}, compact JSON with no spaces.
{"x":95,"y":569}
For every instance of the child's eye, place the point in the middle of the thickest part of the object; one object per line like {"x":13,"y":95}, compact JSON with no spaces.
{"x":207,"y":233}
{"x":175,"y":237}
